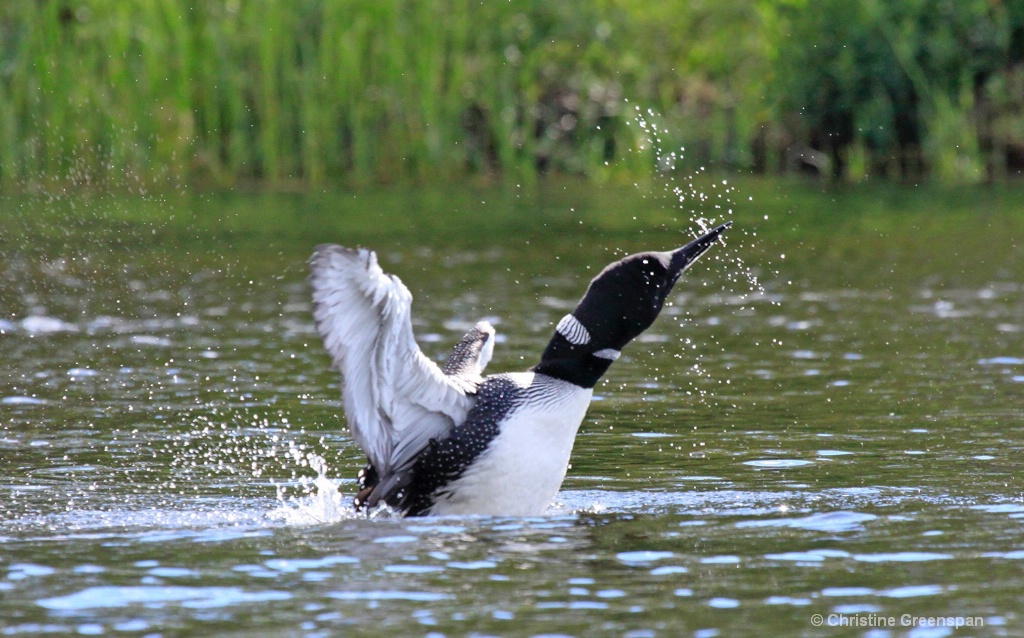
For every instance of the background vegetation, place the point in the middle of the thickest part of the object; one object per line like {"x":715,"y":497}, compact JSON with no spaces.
{"x":308,"y":92}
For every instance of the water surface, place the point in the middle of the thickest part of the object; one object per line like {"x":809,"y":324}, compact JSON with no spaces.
{"x":840,"y":438}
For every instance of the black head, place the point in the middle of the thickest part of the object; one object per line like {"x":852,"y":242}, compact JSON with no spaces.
{"x":621,"y":302}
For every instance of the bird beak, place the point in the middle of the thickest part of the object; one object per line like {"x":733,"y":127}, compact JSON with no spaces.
{"x":683,"y":257}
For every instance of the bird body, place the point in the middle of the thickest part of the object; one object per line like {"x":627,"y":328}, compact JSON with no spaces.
{"x":447,"y":440}
{"x":510,"y":455}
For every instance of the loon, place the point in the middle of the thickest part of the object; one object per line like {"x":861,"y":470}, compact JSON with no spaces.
{"x":446,"y":440}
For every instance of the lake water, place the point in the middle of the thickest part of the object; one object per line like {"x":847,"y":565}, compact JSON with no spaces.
{"x":831,"y":450}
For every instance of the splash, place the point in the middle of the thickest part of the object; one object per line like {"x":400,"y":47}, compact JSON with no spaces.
{"x":705,"y":202}
{"x":263,"y":449}
{"x":703,"y":208}
{"x":319,"y":500}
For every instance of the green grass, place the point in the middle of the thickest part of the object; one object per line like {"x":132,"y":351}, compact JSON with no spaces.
{"x":140,"y":93}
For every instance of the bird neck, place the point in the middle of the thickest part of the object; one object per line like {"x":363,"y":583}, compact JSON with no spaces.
{"x":581,"y":369}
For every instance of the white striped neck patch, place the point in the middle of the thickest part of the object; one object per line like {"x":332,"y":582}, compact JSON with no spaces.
{"x":573,"y":331}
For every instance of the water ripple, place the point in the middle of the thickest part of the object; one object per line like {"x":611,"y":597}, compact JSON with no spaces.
{"x":777,"y":464}
{"x":901,"y":557}
{"x":195,"y":597}
{"x":824,"y":522}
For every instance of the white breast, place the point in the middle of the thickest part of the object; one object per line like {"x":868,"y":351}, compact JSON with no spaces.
{"x":522,"y":469}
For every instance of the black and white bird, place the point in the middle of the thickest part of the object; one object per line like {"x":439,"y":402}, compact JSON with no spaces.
{"x":447,"y":440}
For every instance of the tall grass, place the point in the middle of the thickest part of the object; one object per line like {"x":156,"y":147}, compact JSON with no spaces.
{"x":314,"y":91}
{"x":308,"y":92}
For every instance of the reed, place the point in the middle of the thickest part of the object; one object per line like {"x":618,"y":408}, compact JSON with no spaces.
{"x":311,"y":92}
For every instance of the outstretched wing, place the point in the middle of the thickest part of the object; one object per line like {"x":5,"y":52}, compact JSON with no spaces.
{"x":469,"y":357}
{"x":395,"y":398}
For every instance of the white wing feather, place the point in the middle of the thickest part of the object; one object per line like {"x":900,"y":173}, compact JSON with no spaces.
{"x":395,"y":398}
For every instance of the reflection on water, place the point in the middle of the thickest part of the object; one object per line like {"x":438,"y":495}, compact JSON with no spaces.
{"x":842,"y":442}
{"x":660,"y":563}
